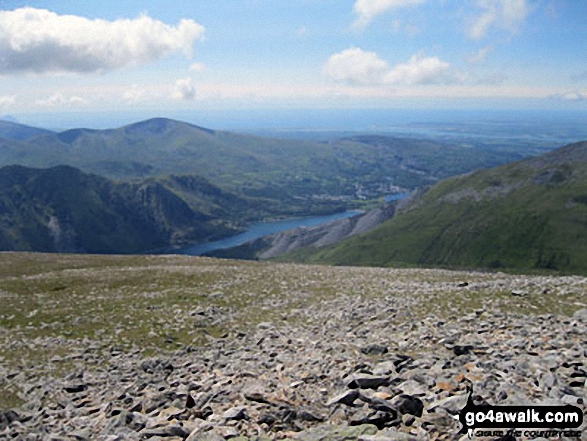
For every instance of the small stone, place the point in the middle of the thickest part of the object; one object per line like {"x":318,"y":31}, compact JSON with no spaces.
{"x":348,"y":397}
{"x":305,"y":415}
{"x":166,"y":431}
{"x":408,"y":419}
{"x":452,"y":404}
{"x":382,"y":395}
{"x":462,"y":349}
{"x":365,"y":381}
{"x":378,"y":418}
{"x":76,"y":389}
{"x":407,"y":404}
{"x":327,"y":432}
{"x":7,"y":417}
{"x":197,"y":435}
{"x":235,"y":413}
{"x":445,"y":385}
{"x":257,"y":397}
{"x":374,"y":349}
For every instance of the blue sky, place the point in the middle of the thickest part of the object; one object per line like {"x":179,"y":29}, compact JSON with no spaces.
{"x":65,"y":56}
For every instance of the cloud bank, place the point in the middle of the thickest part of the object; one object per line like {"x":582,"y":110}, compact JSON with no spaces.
{"x":7,"y":101}
{"x":59,"y":100}
{"x":40,"y":41}
{"x":358,"y":67}
{"x":572,"y":96}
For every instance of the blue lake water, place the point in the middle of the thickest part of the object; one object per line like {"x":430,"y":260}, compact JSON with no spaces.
{"x":261,"y":229}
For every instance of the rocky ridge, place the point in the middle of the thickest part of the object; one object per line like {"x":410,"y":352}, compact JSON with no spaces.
{"x":353,"y":365}
{"x":328,"y":234}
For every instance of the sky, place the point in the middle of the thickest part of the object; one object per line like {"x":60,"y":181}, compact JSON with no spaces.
{"x":63,"y":56}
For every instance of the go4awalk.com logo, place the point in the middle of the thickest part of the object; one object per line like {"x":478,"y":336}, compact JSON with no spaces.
{"x":522,"y":421}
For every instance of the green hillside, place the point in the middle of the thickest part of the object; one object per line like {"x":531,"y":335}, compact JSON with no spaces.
{"x":63,"y":209}
{"x":292,"y":177}
{"x":526,"y":215}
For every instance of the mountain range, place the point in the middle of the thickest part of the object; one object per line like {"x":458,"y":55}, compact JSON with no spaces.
{"x":293,"y":177}
{"x":10,"y":130}
{"x":161,"y":183}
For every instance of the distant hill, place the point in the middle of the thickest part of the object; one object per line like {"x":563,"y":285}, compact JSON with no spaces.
{"x":63,"y":209}
{"x":293,"y":177}
{"x":527,"y":215}
{"x":19,"y":132}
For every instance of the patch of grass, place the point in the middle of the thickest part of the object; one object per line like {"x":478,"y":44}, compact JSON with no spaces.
{"x":9,"y":398}
{"x":56,"y":307}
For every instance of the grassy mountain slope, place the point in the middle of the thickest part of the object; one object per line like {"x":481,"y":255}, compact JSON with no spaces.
{"x":526,"y":215}
{"x":303,"y":176}
{"x":63,"y":209}
{"x":19,"y":132}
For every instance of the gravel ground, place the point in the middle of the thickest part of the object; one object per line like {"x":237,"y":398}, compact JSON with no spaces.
{"x":176,"y":348}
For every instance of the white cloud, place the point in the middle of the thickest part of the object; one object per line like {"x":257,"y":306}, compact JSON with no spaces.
{"x":59,"y":100}
{"x":480,"y":55}
{"x":367,"y":10}
{"x":358,"y":67}
{"x":7,"y":101}
{"x":184,"y":89}
{"x":38,"y":40}
{"x":504,"y":14}
{"x":572,"y":96}
{"x":134,"y":94}
{"x":419,"y":70}
{"x":198,"y":67}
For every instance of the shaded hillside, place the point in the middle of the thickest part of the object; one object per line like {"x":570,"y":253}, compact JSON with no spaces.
{"x":63,"y":209}
{"x":19,"y":132}
{"x":293,"y":177}
{"x":527,"y":215}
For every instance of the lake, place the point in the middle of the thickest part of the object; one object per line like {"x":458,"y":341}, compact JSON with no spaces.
{"x":261,"y":229}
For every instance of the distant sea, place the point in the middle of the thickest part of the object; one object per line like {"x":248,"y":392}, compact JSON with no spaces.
{"x":540,"y":126}
{"x":556,"y":126}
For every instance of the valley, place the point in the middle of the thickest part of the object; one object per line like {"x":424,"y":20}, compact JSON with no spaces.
{"x":165,"y":170}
